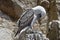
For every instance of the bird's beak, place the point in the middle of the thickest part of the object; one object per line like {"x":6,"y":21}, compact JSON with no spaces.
{"x":39,"y":21}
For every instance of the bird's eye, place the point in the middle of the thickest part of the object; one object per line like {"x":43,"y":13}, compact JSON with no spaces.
{"x":39,"y":14}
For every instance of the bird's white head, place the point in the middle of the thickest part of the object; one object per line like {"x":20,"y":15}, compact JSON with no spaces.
{"x":40,"y":10}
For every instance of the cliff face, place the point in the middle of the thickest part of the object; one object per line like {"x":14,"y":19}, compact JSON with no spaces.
{"x":7,"y":29}
{"x":11,"y":8}
{"x":25,"y":4}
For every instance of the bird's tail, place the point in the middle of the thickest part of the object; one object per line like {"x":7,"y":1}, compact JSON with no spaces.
{"x":20,"y":32}
{"x":17,"y":32}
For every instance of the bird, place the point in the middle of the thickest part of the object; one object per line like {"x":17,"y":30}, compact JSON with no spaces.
{"x":29,"y":17}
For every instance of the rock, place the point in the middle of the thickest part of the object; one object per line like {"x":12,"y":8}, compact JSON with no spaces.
{"x":26,"y":4}
{"x":11,"y":8}
{"x":6,"y":34}
{"x":7,"y":28}
{"x":30,"y":34}
{"x":3,"y":15}
{"x":8,"y":24}
{"x":54,"y":30}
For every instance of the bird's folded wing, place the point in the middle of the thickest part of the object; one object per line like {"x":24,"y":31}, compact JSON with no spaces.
{"x":26,"y":18}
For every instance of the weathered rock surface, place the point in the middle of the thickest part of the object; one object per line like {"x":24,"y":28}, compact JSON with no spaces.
{"x":6,"y":34}
{"x":7,"y":29}
{"x":11,"y":8}
{"x":30,"y":34}
{"x":54,"y":29}
{"x":25,"y":4}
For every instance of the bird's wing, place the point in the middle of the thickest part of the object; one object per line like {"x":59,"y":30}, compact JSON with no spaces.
{"x":26,"y":18}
